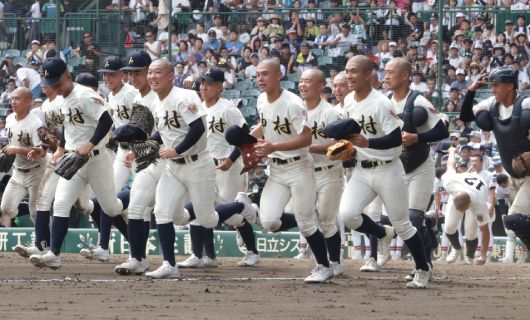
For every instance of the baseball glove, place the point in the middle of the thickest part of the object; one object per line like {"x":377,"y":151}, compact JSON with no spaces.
{"x":69,"y":164}
{"x":49,"y":140}
{"x":248,"y":154}
{"x":342,"y":150}
{"x":521,"y":164}
{"x":6,"y":162}
{"x":145,"y":153}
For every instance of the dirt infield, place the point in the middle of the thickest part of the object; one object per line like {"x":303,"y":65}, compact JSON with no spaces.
{"x":275,"y":290}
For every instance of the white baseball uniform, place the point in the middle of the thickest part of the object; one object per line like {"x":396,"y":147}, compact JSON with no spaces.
{"x":143,"y":189}
{"x":292,"y":172}
{"x":27,"y":175}
{"x":82,"y":109}
{"x":329,"y":174}
{"x":477,"y":214}
{"x":420,"y":180}
{"x":192,"y":172}
{"x":220,"y":116}
{"x":378,"y":172}
{"x":121,"y":106}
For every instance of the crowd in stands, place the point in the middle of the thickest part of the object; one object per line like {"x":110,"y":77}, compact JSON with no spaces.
{"x":302,"y":34}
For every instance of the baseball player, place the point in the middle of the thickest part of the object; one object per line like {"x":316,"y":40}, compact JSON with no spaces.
{"x":468,"y":194}
{"x":379,"y":170}
{"x":507,"y":115}
{"x":229,"y":183}
{"x":53,"y":120}
{"x":286,"y":140}
{"x":421,"y":126}
{"x":85,"y":130}
{"x":180,"y":119}
{"x":21,"y":127}
{"x":340,"y":90}
{"x":329,"y":174}
{"x":142,"y":193}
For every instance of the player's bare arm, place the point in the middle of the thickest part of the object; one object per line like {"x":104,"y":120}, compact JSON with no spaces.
{"x":451,"y":161}
{"x":264,"y":147}
{"x":320,"y":148}
{"x":484,"y":244}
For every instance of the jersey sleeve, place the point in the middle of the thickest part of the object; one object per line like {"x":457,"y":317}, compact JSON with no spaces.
{"x":298,"y":116}
{"x":483,"y":105}
{"x":388,"y":117}
{"x":93,"y":105}
{"x":36,"y":123}
{"x":234,"y":117}
{"x":432,"y":117}
{"x":332,"y":115}
{"x":191,"y":108}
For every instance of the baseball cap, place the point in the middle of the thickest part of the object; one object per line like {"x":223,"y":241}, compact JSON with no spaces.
{"x":496,"y":160}
{"x":460,"y":15}
{"x":9,"y":55}
{"x":214,"y":75}
{"x":87,"y":79}
{"x":291,"y":31}
{"x":35,"y":62}
{"x":455,"y":135}
{"x":35,"y":42}
{"x":466,"y":147}
{"x":478,"y":45}
{"x":111,"y":64}
{"x":460,"y":71}
{"x":341,"y":129}
{"x":212,"y":33}
{"x":196,"y":85}
{"x":392,"y":44}
{"x":304,"y":44}
{"x":453,"y":46}
{"x":137,"y":60}
{"x":508,"y":22}
{"x":38,"y":100}
{"x":52,"y":69}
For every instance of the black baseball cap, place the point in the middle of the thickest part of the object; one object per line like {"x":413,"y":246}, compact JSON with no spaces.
{"x":111,"y":64}
{"x":52,"y":70}
{"x":214,"y":75}
{"x":137,"y":60}
{"x":341,"y":129}
{"x":196,"y":85}
{"x":87,"y":79}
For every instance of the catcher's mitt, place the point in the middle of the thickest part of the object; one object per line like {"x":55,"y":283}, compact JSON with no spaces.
{"x":69,"y":164}
{"x":6,"y":162}
{"x":145,"y":153}
{"x":48,"y":139}
{"x":248,"y":154}
{"x":521,"y":164}
{"x":139,"y":128}
{"x":342,"y":150}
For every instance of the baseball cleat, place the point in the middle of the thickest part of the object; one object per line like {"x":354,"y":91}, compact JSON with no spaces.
{"x":454,"y":256}
{"x":47,"y":260}
{"x":192,"y":262}
{"x":301,"y":255}
{"x":383,"y":246}
{"x":165,"y":271}
{"x":208,"y":262}
{"x":337,"y":268}
{"x":98,"y":253}
{"x":145,"y":264}
{"x":442,"y":258}
{"x":26,"y":252}
{"x":410,"y":276}
{"x":421,"y":279}
{"x":249,"y":212}
{"x":319,"y":274}
{"x":131,"y":266}
{"x":507,"y":259}
{"x":249,"y":260}
{"x":467,"y":261}
{"x":370,"y":266}
{"x":357,"y":255}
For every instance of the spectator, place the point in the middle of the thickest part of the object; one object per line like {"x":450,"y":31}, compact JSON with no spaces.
{"x":334,"y":24}
{"x":234,"y":46}
{"x":432,"y":93}
{"x":414,"y":28}
{"x":264,"y":53}
{"x":509,"y":31}
{"x":7,"y":64}
{"x":230,"y":74}
{"x":3,"y":131}
{"x":51,"y":9}
{"x":455,"y":59}
{"x":35,"y":53}
{"x":311,"y":31}
{"x":152,"y":46}
{"x":245,"y":60}
{"x":523,"y":76}
{"x":295,"y":24}
{"x":324,"y":37}
{"x":212,"y":42}
{"x":5,"y":97}
{"x":183,"y":54}
{"x":286,"y":58}
{"x":275,"y":27}
{"x":453,"y":103}
{"x":68,"y":6}
{"x":217,"y":24}
{"x":418,"y":83}
{"x":191,"y":67}
{"x":199,"y":30}
{"x":259,"y":29}
{"x":52,"y":46}
{"x":305,"y":60}
{"x":463,"y":128}
{"x":345,"y":39}
{"x":474,"y":72}
{"x":358,"y":30}
{"x":461,"y":84}
{"x":198,"y":49}
{"x":293,"y":41}
{"x":250,"y":71}
{"x":29,"y":78}
{"x":180,"y":75}
{"x":521,"y":43}
{"x":90,"y":51}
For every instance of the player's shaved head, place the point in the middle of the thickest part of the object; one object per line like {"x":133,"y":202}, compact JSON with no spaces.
{"x":311,"y":83}
{"x":316,"y":74}
{"x":23,"y":92}
{"x":166,"y":64}
{"x":401,"y":65}
{"x":160,"y":77}
{"x":271,"y":64}
{"x":461,"y":201}
{"x":363,"y":62}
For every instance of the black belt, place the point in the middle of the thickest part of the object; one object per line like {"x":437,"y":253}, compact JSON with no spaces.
{"x":27,"y":170}
{"x":367,"y":164}
{"x":185,"y":160}
{"x":92,"y":153}
{"x":285,"y":161}
{"x":324,"y":168}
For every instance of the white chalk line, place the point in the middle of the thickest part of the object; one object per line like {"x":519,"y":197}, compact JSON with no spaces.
{"x":134,"y":278}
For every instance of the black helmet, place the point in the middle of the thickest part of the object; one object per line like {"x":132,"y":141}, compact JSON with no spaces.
{"x":504,"y":75}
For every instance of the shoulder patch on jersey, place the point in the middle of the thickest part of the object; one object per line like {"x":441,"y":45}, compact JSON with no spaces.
{"x":98,"y":101}
{"x":393,"y":114}
{"x":192,"y":107}
{"x":433,"y":110}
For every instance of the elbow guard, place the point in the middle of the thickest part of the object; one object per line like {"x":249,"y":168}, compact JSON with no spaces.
{"x":419,"y":116}
{"x":525,"y":119}
{"x":483,"y":120}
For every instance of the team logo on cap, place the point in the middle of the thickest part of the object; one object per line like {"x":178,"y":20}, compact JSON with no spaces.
{"x":107,"y":64}
{"x":46,"y":74}
{"x":131,"y":61}
{"x":208,"y":72}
